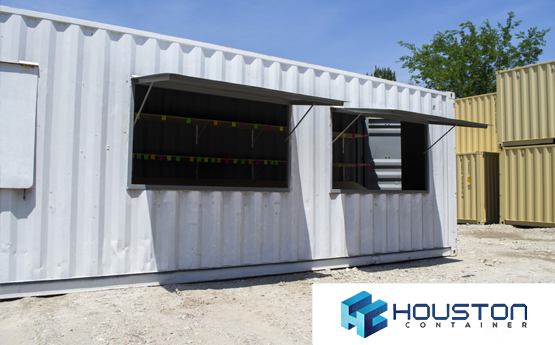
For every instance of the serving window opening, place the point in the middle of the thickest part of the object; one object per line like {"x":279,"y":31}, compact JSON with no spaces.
{"x":376,"y":154}
{"x":184,"y":138}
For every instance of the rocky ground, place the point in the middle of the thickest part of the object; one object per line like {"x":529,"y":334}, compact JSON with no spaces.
{"x":266,"y":310}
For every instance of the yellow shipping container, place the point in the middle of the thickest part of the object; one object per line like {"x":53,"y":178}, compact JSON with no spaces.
{"x":527,"y":183}
{"x":477,"y":109}
{"x":478,"y":187}
{"x":526,"y":105}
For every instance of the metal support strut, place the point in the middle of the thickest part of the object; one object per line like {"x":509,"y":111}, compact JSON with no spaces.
{"x":428,"y":149}
{"x":350,"y":124}
{"x":300,"y":121}
{"x":142,"y":105}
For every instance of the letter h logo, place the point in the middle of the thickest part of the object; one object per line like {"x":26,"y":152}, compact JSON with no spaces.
{"x":359,"y":311}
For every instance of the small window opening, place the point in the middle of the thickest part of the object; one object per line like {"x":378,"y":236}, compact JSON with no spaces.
{"x":193,"y":139}
{"x":377,"y":154}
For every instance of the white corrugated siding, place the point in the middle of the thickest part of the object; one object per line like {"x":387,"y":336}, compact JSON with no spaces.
{"x":81,"y":220}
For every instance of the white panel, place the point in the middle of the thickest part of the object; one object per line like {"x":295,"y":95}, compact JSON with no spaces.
{"x":18,"y":103}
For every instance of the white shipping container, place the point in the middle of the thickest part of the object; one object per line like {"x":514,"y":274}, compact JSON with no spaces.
{"x":85,"y":219}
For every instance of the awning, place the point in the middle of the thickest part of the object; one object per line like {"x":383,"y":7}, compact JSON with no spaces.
{"x":408,"y":116}
{"x":221,"y":88}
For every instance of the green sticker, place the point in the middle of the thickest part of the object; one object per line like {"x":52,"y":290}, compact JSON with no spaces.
{"x":199,"y":159}
{"x":255,"y":126}
{"x":178,"y":159}
{"x":242,"y":161}
{"x":213,"y":160}
{"x":339,"y":165}
{"x":145,"y":157}
{"x":188,"y":120}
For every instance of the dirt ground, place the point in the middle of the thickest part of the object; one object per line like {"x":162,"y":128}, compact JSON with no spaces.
{"x":266,"y":310}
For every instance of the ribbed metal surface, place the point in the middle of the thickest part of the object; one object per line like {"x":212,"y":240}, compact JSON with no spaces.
{"x":527,"y":185}
{"x":526,"y":103}
{"x":81,"y":220}
{"x":477,"y":109}
{"x":478,"y":187}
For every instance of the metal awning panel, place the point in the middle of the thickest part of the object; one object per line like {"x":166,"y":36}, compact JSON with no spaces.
{"x":409,"y":116}
{"x":226,"y":89}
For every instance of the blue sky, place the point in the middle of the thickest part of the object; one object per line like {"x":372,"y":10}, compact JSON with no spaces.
{"x":349,"y":35}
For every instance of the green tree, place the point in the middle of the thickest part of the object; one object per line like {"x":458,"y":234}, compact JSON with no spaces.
{"x":384,"y":73}
{"x":465,"y":60}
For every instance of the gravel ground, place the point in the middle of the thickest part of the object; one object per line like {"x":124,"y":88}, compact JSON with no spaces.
{"x":265,"y":310}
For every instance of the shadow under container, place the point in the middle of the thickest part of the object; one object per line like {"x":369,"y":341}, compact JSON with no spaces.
{"x":527,"y":182}
{"x":478,"y":187}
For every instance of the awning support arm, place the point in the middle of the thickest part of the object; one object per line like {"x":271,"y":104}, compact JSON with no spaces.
{"x":142,"y":105}
{"x":203,"y":128}
{"x":428,"y":149}
{"x":254,"y":139}
{"x":350,"y":124}
{"x":300,"y":121}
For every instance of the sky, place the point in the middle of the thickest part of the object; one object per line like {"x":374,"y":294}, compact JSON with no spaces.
{"x":349,"y":35}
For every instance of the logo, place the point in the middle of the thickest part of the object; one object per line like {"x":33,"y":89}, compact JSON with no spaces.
{"x":359,"y":311}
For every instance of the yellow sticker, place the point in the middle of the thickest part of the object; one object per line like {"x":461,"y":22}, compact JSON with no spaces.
{"x":169,"y":158}
{"x":163,"y":117}
{"x":468,"y":179}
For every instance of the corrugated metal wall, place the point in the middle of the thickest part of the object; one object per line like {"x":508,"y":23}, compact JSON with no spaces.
{"x":478,"y":187}
{"x":526,"y":103}
{"x":477,"y":109}
{"x":81,"y":220}
{"x":527,"y":185}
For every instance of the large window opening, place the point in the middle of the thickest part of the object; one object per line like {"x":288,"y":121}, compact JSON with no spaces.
{"x":193,"y":139}
{"x":376,"y":154}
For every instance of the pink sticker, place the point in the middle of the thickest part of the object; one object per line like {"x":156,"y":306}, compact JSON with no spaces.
{"x":368,"y":165}
{"x":269,"y":127}
{"x":226,"y":160}
{"x":364,"y":136}
{"x":357,"y":165}
{"x":160,"y":158}
{"x":353,"y":135}
{"x":257,"y":162}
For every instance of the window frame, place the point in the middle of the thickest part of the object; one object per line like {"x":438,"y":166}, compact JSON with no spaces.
{"x":379,"y":191}
{"x":131,"y":186}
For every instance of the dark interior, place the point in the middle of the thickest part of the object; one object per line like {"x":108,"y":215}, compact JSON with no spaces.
{"x":209,"y":140}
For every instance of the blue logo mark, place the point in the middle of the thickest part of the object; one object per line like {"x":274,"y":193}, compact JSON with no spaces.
{"x":359,"y":311}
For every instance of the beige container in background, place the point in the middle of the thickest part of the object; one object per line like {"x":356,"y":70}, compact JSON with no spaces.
{"x":478,"y":187}
{"x":477,"y":109}
{"x":527,"y":183}
{"x":526,"y":105}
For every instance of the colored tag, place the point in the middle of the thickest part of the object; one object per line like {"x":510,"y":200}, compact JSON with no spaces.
{"x":191,"y":159}
{"x":281,"y":129}
{"x":250,"y":161}
{"x":152,"y":157}
{"x":205,"y":159}
{"x":145,"y":157}
{"x":163,"y":117}
{"x":368,"y":165}
{"x":339,"y":165}
{"x":160,"y":158}
{"x":199,"y":159}
{"x":255,"y":126}
{"x":468,"y":179}
{"x":269,"y":127}
{"x":353,"y":135}
{"x":276,"y":162}
{"x":364,"y":136}
{"x":226,"y":161}
{"x":215,"y":123}
{"x":271,"y":162}
{"x":178,"y":159}
{"x":356,"y":165}
{"x":213,"y":160}
{"x":344,"y":135}
{"x":242,"y":161}
{"x":265,"y":162}
{"x":257,"y":162}
{"x":233,"y":124}
{"x":169,"y":158}
{"x":235,"y":161}
{"x":188,"y":120}
{"x":219,"y":160}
